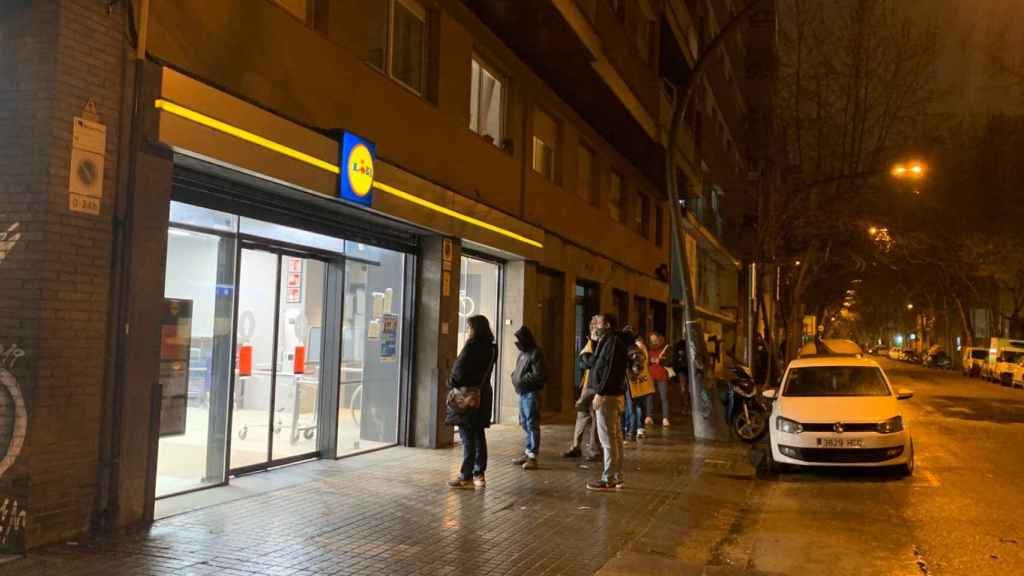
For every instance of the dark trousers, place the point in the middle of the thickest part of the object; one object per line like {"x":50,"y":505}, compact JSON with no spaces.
{"x":474,"y":451}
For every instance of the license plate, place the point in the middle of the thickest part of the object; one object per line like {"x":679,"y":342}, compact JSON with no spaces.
{"x":840,"y":443}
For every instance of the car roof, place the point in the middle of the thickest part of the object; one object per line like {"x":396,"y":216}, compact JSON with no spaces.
{"x":833,"y":347}
{"x":840,"y":360}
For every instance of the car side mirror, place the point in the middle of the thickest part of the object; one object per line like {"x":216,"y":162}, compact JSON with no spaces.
{"x":770,"y":393}
{"x":904,"y":394}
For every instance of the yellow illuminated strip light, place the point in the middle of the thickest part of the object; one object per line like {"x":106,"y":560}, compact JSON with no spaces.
{"x":256,"y":139}
{"x":457,"y":215}
{"x":199,"y":118}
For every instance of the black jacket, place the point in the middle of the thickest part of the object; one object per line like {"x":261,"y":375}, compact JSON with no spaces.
{"x":529,"y":375}
{"x":608,"y":366}
{"x":473,"y":368}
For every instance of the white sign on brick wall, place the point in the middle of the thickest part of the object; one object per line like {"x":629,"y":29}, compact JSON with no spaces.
{"x":85,"y":181}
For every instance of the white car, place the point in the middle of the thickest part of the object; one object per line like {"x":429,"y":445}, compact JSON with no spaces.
{"x":974,"y":360}
{"x":1018,"y":375}
{"x":838,"y":411}
{"x":1006,"y":363}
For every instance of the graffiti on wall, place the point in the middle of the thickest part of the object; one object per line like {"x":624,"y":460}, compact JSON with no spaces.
{"x":8,"y":238}
{"x":12,"y":521}
{"x":13,"y":416}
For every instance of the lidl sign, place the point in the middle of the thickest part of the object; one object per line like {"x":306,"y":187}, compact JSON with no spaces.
{"x":356,"y":178}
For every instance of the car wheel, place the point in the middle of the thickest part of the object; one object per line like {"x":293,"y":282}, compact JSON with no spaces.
{"x":907,"y":470}
{"x":766,"y":466}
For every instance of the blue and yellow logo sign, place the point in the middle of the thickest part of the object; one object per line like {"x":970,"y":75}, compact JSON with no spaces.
{"x":356,"y":178}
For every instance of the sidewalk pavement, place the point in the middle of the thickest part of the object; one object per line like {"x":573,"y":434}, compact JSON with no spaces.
{"x":390,"y":513}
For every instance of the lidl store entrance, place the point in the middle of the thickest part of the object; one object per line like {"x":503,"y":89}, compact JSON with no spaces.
{"x":280,"y":343}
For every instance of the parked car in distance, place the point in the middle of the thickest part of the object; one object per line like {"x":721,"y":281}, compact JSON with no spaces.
{"x":1018,"y":375}
{"x":911,"y":356}
{"x":973,"y":360}
{"x":1006,"y":363}
{"x":938,"y":359}
{"x":895,"y":353}
{"x":838,"y":411}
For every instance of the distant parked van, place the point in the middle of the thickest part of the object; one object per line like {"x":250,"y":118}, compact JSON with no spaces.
{"x":973,"y":360}
{"x":1003,"y":355}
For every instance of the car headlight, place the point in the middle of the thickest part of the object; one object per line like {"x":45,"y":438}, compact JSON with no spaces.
{"x":890,"y":426}
{"x":788,"y":426}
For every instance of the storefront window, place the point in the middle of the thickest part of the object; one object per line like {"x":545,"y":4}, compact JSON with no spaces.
{"x":478,"y":294}
{"x":198,"y":286}
{"x":371,"y":355}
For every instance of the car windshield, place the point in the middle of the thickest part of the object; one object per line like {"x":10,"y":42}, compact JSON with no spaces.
{"x":836,"y":381}
{"x":1012,"y":357}
{"x":979,"y":354}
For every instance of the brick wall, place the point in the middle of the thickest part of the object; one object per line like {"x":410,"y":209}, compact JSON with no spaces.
{"x":55,"y":57}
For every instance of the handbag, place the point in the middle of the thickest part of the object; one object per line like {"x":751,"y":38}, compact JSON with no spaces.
{"x":464,"y":399}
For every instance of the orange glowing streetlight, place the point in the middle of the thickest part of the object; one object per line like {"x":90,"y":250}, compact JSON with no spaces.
{"x":913,"y":170}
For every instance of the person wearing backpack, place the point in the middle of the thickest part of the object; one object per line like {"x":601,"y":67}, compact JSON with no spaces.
{"x":528,"y":378}
{"x":468,"y":406}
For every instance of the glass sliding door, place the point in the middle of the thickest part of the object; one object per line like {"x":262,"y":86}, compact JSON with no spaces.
{"x":299,"y":349}
{"x":252,"y":415}
{"x":371,"y":348}
{"x":279,"y":351}
{"x":200,"y":274}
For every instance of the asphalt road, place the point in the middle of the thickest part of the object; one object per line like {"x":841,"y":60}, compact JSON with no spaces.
{"x":961,"y":512}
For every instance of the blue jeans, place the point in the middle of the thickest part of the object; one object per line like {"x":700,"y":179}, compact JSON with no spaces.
{"x":529,"y":419}
{"x":474,"y":452}
{"x":627,"y":414}
{"x":609,"y":430}
{"x":662,"y":387}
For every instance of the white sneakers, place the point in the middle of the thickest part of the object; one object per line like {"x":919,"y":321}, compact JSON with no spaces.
{"x":665,"y":423}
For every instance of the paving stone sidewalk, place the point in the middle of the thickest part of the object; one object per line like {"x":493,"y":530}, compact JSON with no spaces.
{"x":390,"y":513}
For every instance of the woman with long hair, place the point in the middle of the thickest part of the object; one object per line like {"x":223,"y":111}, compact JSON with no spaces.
{"x":473,"y":370}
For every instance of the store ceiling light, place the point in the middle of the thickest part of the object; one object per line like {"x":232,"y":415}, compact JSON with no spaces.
{"x":224,"y":127}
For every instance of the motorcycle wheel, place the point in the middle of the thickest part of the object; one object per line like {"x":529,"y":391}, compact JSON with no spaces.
{"x":750,"y":429}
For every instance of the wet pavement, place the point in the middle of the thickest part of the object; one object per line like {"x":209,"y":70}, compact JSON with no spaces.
{"x":688,"y":508}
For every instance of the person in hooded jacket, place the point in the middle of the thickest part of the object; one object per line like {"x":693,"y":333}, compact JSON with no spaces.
{"x":528,"y":378}
{"x":473,"y":369}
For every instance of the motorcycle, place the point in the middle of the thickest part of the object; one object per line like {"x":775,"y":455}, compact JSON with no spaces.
{"x":746,"y":410}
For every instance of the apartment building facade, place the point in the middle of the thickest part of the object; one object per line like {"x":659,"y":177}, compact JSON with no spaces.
{"x":249,"y":233}
{"x":723,"y":155}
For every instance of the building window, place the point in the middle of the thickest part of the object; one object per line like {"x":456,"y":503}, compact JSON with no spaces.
{"x":615,"y":197}
{"x":487,"y":102}
{"x":659,"y":225}
{"x":641,"y":215}
{"x":545,"y":144}
{"x":645,"y":33}
{"x":585,"y":165}
{"x":618,"y":7}
{"x":398,"y":41}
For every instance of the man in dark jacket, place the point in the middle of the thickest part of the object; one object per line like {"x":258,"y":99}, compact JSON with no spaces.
{"x":528,"y":379}
{"x":608,"y":379}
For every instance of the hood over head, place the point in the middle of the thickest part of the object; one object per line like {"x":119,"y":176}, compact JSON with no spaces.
{"x":524,"y":339}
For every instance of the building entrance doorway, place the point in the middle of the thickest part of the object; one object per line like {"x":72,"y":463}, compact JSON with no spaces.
{"x":278,"y":358}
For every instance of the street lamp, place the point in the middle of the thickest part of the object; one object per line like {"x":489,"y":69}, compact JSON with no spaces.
{"x":910,"y":306}
{"x":913,"y":170}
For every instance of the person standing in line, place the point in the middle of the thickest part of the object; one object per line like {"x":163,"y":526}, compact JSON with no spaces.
{"x":528,"y":379}
{"x":608,"y":379}
{"x":473,"y":370}
{"x":585,"y":427}
{"x":660,"y":376}
{"x":641,"y":387}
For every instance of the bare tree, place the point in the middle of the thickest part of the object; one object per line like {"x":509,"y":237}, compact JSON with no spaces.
{"x":854,"y":93}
